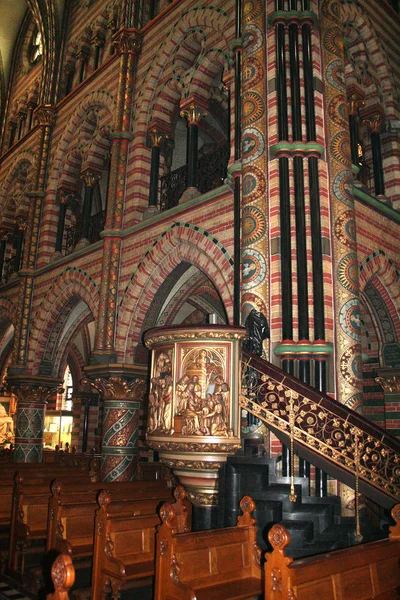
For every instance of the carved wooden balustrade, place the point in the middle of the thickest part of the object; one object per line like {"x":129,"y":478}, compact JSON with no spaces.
{"x":326,"y":433}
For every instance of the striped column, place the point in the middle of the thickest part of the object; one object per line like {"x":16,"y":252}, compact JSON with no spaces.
{"x":121,"y":406}
{"x":46,"y":116}
{"x":128,"y":45}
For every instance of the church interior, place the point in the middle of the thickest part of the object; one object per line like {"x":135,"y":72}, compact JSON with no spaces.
{"x":199,"y":299}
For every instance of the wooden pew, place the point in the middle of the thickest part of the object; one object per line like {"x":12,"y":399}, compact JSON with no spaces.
{"x":29,"y":514}
{"x":71,"y":515}
{"x":63,"y":577}
{"x":363,"y":572}
{"x":219,"y":564}
{"x":124,"y":548}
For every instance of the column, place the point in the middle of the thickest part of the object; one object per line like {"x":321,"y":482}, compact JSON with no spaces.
{"x":32,"y":398}
{"x":121,"y":400}
{"x":62,"y":196}
{"x":128,"y":45}
{"x":12,"y":126}
{"x":193,"y":113}
{"x":389,"y":380}
{"x":83,"y":58}
{"x":343,"y":233}
{"x":374,"y":124}
{"x":81,"y":403}
{"x":45,"y":114}
{"x":21,"y":121}
{"x":98,"y":41}
{"x":69,"y":72}
{"x":157,"y":137}
{"x":355,"y":102}
{"x":3,"y":240}
{"x":29,"y":119}
{"x":90,"y":178}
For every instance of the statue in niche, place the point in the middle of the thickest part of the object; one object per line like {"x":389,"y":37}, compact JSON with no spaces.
{"x":257,"y":325}
{"x":6,"y":425}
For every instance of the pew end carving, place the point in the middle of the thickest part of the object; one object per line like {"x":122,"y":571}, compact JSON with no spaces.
{"x":63,"y":577}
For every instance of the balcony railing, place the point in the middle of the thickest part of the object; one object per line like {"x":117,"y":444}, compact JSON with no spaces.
{"x":212,"y":170}
{"x":74,"y":233}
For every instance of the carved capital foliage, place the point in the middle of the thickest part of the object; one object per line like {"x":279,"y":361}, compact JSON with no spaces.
{"x":45,"y":115}
{"x":118,"y":388}
{"x":128,"y":42}
{"x":390,"y":385}
{"x":374,"y":123}
{"x":203,"y":499}
{"x":90,"y":177}
{"x":193,"y":114}
{"x":34,"y":394}
{"x":355,"y":103}
{"x":157,"y":137}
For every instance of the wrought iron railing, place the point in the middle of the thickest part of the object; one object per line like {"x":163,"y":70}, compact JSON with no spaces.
{"x":344,"y":443}
{"x":211,"y":171}
{"x":74,"y":233}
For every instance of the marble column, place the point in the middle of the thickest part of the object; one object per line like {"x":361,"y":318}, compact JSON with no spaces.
{"x":193,"y":112}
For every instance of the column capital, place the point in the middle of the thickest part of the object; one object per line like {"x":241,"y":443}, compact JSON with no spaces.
{"x":45,"y":114}
{"x":118,"y":388}
{"x":355,"y":103}
{"x":193,"y":113}
{"x":69,"y":69}
{"x":157,"y":136}
{"x":21,"y":223}
{"x":389,"y":383}
{"x":374,"y":122}
{"x":83,"y":54}
{"x":4,"y":234}
{"x":66,"y":196}
{"x":127,"y":41}
{"x":31,"y":392}
{"x":98,"y":40}
{"x":90,"y":177}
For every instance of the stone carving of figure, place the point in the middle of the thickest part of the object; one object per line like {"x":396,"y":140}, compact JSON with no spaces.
{"x":258,"y":328}
{"x":6,"y":424}
{"x":165,"y":400}
{"x":181,"y":393}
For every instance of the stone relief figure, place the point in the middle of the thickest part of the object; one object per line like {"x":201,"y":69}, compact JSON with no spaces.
{"x":161,"y":392}
{"x":6,"y":425}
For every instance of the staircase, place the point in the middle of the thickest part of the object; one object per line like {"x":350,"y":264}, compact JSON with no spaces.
{"x":314,"y":523}
{"x":328,"y":435}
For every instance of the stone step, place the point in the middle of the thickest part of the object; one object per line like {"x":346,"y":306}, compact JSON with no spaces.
{"x":320,"y":516}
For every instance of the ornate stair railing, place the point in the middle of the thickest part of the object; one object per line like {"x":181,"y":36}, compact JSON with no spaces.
{"x":326,"y":433}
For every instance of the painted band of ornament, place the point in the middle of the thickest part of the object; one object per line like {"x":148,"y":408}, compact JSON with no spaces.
{"x":316,"y":427}
{"x":202,"y":465}
{"x":172,"y":446}
{"x":195,"y":335}
{"x":200,"y":499}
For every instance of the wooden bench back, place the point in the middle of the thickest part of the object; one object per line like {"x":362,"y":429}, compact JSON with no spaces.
{"x":361,"y":572}
{"x":72,"y":509}
{"x":205,"y":558}
{"x":124,"y":546}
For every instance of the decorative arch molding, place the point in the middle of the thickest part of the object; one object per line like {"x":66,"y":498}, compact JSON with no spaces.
{"x":379,"y":272}
{"x":73,"y":284}
{"x":23,"y":158}
{"x":379,"y":265}
{"x":181,"y":242}
{"x":96,"y":101}
{"x":204,"y":17}
{"x":352,"y":14}
{"x":8,"y":312}
{"x":61,"y":352}
{"x":45,"y":13}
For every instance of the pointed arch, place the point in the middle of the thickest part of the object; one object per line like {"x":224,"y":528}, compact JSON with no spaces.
{"x":181,"y":242}
{"x":72,"y":286}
